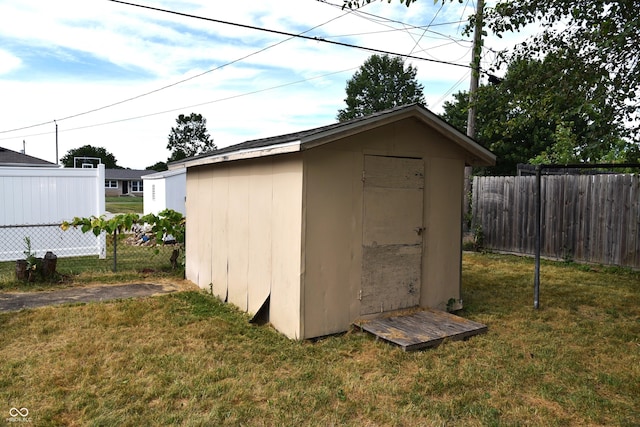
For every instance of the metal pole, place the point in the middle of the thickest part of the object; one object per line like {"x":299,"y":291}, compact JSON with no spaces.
{"x":57,"y":162}
{"x":115,"y":252}
{"x":536,"y":279}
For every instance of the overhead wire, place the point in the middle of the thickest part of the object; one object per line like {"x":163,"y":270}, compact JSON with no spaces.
{"x":290,"y":36}
{"x":188,"y":106}
{"x":169,"y":85}
{"x":417,"y":42}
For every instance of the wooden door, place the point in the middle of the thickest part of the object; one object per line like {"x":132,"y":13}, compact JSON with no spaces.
{"x":392,"y":233}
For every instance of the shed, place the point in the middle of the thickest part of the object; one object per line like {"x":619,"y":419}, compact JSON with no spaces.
{"x":165,"y":190}
{"x":315,"y":230}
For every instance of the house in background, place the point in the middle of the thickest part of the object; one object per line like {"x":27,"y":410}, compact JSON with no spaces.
{"x":14,"y":158}
{"x":165,"y":190}
{"x":315,"y":230}
{"x":124,"y":182}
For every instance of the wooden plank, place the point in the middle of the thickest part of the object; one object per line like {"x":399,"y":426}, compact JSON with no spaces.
{"x":393,"y":172}
{"x":391,"y":279}
{"x":422,"y":329}
{"x":392,"y":233}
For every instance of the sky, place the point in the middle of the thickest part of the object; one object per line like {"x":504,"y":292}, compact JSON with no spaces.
{"x":117,"y":76}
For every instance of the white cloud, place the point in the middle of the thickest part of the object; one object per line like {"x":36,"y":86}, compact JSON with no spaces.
{"x":169,"y":48}
{"x":8,"y":62}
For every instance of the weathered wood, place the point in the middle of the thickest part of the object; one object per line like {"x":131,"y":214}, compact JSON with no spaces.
{"x":593,"y":218}
{"x":392,"y":233}
{"x":422,"y":329}
{"x":391,"y":280}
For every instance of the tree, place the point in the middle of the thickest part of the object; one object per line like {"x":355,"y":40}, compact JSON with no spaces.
{"x":382,"y":82}
{"x":596,"y":39}
{"x":189,"y":137}
{"x":532,"y":116}
{"x":106,"y":158}
{"x":158,"y":167}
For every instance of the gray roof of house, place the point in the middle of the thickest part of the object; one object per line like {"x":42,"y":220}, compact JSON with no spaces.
{"x":10,"y":157}
{"x":312,"y":137}
{"x":126,"y":174}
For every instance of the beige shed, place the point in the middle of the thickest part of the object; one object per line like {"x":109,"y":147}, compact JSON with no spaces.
{"x":317,"y":229}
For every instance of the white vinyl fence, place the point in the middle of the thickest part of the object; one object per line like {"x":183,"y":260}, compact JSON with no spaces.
{"x":36,"y":200}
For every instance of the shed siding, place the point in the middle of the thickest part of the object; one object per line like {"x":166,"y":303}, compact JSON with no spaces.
{"x":333,"y":221}
{"x":443,"y":219}
{"x":165,"y":192}
{"x":244,"y":235}
{"x":175,"y":193}
{"x":155,"y":198}
{"x":333,"y":226}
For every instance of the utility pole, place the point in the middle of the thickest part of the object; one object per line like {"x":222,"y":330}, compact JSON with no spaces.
{"x":475,"y":69}
{"x":471,"y":118}
{"x":473,"y":89}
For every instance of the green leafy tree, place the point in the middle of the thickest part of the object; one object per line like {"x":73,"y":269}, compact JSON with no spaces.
{"x":533,"y":115}
{"x":108,"y":159}
{"x":158,"y":167}
{"x":596,"y":40}
{"x":382,"y":82}
{"x":189,"y":137}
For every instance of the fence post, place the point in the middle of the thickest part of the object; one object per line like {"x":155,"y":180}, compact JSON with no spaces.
{"x":536,"y":278}
{"x":115,"y":251}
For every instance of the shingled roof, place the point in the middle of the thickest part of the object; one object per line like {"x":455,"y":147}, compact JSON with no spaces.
{"x":14,"y":158}
{"x":306,"y":139}
{"x":126,"y":174}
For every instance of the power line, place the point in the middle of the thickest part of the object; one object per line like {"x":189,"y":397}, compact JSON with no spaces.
{"x":284,"y":33}
{"x":188,"y":106}
{"x":289,"y":35}
{"x":167,"y":86}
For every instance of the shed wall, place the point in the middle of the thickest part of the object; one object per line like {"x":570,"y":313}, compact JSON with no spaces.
{"x":333,"y":191}
{"x":175,"y":193}
{"x":244,"y":235}
{"x":154,"y":199}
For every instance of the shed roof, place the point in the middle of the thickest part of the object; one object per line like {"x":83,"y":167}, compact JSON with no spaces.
{"x":306,"y":139}
{"x":165,"y":174}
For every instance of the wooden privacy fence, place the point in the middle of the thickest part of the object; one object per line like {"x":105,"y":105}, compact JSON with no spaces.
{"x":586,"y":218}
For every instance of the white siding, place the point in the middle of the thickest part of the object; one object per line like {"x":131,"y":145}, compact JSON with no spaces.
{"x":165,"y":190}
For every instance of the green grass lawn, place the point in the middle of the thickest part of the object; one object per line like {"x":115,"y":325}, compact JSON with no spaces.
{"x":188,"y":359}
{"x":124,"y":204}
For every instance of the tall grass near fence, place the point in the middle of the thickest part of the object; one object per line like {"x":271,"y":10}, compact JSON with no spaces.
{"x":586,"y":218}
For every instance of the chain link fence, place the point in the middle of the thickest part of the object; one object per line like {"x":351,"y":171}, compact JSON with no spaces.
{"x":74,"y":253}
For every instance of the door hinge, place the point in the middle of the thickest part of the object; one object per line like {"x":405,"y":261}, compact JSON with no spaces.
{"x":360,"y":294}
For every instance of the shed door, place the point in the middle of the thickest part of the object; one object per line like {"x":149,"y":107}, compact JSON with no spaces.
{"x":392,"y":233}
